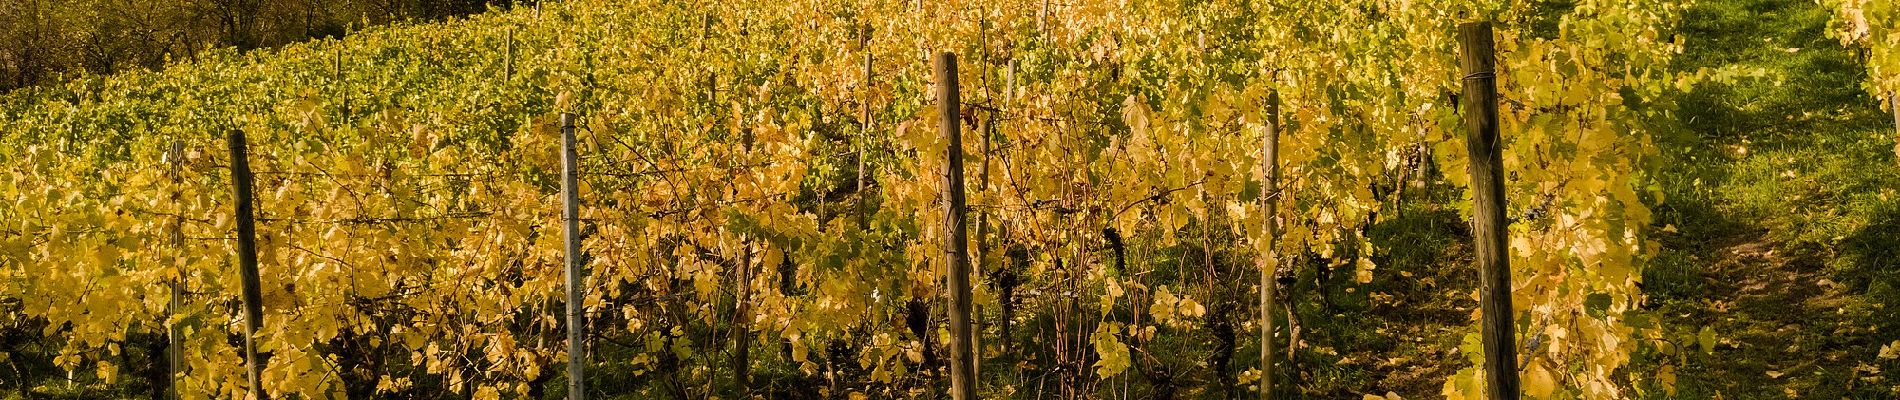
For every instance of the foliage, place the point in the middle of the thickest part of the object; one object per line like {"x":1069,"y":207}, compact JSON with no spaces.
{"x":48,"y":39}
{"x":408,"y":193}
{"x":1777,"y":214}
{"x":1870,"y":24}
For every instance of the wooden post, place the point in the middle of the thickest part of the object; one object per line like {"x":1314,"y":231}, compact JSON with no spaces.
{"x":336,"y":72}
{"x":1270,"y":263}
{"x":508,"y":57}
{"x":987,"y":127}
{"x":1480,"y":110}
{"x":864,"y":129}
{"x":983,"y":127}
{"x":741,"y":324}
{"x":247,"y":262}
{"x":955,"y":246}
{"x":570,"y":220}
{"x":1042,"y":21}
{"x":1893,"y":103}
{"x":174,"y":356}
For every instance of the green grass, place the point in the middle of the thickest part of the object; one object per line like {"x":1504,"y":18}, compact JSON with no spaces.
{"x":1783,"y":199}
{"x":1782,"y":193}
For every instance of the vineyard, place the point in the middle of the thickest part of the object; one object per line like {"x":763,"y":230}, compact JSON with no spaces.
{"x":759,"y":205}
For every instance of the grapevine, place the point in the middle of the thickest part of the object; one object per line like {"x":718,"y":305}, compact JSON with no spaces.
{"x":408,"y":195}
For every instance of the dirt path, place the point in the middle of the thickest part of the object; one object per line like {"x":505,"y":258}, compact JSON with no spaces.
{"x":1782,"y":327}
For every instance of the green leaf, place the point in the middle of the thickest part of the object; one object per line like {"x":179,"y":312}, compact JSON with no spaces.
{"x":1596,"y":303}
{"x":1638,"y":320}
{"x":1250,"y":191}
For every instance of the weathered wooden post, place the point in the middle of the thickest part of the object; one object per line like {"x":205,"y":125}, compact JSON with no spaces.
{"x":741,"y":325}
{"x":174,"y":355}
{"x":864,"y":129}
{"x":247,"y":262}
{"x":571,"y":231}
{"x":1893,"y":103}
{"x":336,"y":64}
{"x":1270,"y":261}
{"x":508,"y":57}
{"x":1042,"y":21}
{"x":955,"y":246}
{"x":1480,"y":110}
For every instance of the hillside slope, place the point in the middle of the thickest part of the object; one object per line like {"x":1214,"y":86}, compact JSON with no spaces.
{"x":1783,"y":188}
{"x":761,"y":218}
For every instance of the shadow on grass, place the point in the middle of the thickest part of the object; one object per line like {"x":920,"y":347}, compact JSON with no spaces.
{"x":1868,"y":262}
{"x":1399,"y":331}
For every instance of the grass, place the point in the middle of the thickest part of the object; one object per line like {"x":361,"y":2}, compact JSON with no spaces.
{"x":1400,"y":332}
{"x":1782,"y":195}
{"x":1780,"y":234}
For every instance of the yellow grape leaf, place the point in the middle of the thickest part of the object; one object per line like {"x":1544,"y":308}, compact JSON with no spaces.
{"x":1387,"y":396}
{"x":1363,"y":272}
{"x":108,"y":372}
{"x":1164,"y":303}
{"x":487,"y":393}
{"x":1249,"y":376}
{"x":1464,"y":385}
{"x":913,"y":354}
{"x":1667,"y":377}
{"x":1135,"y":113}
{"x":1538,"y":382}
{"x":1115,"y":357}
{"x":1190,"y":308}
